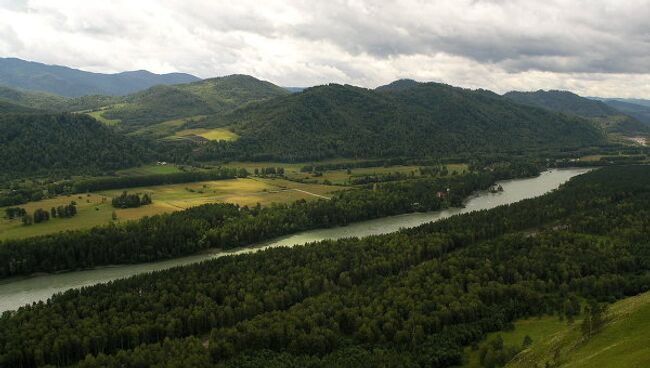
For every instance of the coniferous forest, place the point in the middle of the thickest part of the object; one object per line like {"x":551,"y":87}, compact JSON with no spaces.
{"x":414,"y":298}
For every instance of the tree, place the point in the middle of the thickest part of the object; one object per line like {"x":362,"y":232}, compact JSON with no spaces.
{"x":527,"y":341}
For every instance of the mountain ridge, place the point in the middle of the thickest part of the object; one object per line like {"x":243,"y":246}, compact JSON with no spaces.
{"x":70,"y":82}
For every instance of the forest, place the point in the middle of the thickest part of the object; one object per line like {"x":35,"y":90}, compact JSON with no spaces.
{"x":414,"y":298}
{"x":227,"y":226}
{"x":59,"y":144}
{"x":426,"y":120}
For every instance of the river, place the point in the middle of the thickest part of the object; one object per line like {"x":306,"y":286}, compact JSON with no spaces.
{"x":20,"y":291}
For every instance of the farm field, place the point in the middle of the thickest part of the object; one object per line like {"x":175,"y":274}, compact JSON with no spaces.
{"x":339,"y":177}
{"x":152,"y":169}
{"x":95,"y":208}
{"x":217,"y":134}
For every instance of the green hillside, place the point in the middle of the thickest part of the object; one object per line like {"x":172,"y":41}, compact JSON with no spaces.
{"x":44,"y":144}
{"x":7,"y":107}
{"x":638,"y":111}
{"x":425,"y":120}
{"x":624,"y":341}
{"x":51,"y":102}
{"x":164,"y":103}
{"x":606,"y":116}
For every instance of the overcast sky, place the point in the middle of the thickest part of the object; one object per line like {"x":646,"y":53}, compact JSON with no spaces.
{"x":594,"y":47}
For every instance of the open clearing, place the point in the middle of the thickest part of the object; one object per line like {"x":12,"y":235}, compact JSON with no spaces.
{"x":166,"y":128}
{"x":99,"y":117}
{"x":95,"y":208}
{"x":218,"y":134}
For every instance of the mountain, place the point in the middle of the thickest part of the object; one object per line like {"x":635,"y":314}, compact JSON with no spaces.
{"x":563,"y":101}
{"x":70,"y":82}
{"x":398,"y":85}
{"x":427,"y":119}
{"x":638,"y":111}
{"x":42,"y":144}
{"x":209,"y":96}
{"x":606,"y":116}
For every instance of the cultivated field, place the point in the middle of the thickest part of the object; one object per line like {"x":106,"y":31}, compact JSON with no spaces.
{"x":95,"y":208}
{"x":217,"y":134}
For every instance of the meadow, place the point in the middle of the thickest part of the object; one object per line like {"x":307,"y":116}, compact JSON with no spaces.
{"x":95,"y":208}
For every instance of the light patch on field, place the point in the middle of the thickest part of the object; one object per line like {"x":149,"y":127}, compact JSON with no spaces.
{"x":218,"y":134}
{"x":97,"y":115}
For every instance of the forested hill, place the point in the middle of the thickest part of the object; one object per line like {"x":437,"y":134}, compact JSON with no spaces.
{"x":9,"y":107}
{"x":70,"y":82}
{"x":43,"y":144}
{"x":424,"y":120}
{"x":563,"y":101}
{"x":205,"y":97}
{"x":638,"y":111}
{"x":607,"y":117}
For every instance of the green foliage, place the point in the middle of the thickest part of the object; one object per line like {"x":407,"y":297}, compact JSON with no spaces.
{"x":413,"y":298}
{"x":428,"y":120}
{"x":55,"y":144}
{"x":126,"y":200}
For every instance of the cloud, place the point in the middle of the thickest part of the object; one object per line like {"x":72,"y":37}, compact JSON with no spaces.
{"x":599,"y":47}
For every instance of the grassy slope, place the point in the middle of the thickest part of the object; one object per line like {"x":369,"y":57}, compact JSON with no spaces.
{"x":623,"y":342}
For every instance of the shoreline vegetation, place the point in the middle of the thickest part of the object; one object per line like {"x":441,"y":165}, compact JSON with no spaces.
{"x":226,"y":226}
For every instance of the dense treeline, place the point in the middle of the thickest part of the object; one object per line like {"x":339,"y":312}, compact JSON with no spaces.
{"x":414,"y":298}
{"x":105,"y":183}
{"x":186,"y":232}
{"x":53,"y":144}
{"x":134,"y":200}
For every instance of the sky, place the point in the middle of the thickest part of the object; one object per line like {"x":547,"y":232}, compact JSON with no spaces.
{"x":594,"y":48}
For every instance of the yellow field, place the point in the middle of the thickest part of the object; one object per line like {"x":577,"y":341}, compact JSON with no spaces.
{"x":218,"y":134}
{"x":95,"y":208}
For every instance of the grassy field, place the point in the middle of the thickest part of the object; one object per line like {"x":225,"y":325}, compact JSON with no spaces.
{"x":338,"y":177}
{"x":166,"y":128}
{"x":218,"y":134}
{"x":95,"y":208}
{"x":99,"y":117}
{"x":623,"y":342}
{"x":537,"y":328}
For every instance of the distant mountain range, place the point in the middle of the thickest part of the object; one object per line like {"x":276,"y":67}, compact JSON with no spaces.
{"x":640,"y":109}
{"x":70,"y":82}
{"x":610,"y":115}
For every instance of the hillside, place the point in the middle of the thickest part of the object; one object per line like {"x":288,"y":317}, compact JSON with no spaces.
{"x":563,"y":101}
{"x":163,"y":103}
{"x":43,"y":144}
{"x":622,"y":342}
{"x":638,"y":111}
{"x":425,"y":120}
{"x":607,"y":117}
{"x":70,"y":82}
{"x":51,"y":102}
{"x":7,"y":107}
